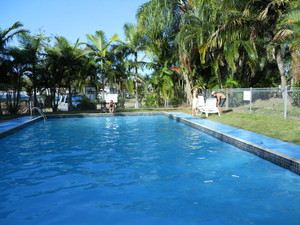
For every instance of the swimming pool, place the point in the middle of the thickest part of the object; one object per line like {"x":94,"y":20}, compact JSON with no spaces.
{"x":137,"y":170}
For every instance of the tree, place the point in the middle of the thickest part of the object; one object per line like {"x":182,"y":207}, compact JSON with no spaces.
{"x":98,"y":48}
{"x":162,"y":84}
{"x":8,"y":34}
{"x":88,"y":75}
{"x":158,"y":24}
{"x":31,"y":46}
{"x":6,"y":67}
{"x":71,"y":61}
{"x":15,"y":78}
{"x":200,"y":57}
{"x":54,"y":72}
{"x":288,"y":33}
{"x":131,"y":47}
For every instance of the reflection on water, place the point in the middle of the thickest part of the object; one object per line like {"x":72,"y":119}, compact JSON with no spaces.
{"x":137,"y":170}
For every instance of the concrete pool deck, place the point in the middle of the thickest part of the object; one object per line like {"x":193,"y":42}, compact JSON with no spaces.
{"x":284,"y":154}
{"x":286,"y":148}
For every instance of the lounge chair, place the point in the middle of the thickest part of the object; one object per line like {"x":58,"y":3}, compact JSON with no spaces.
{"x":200,"y":105}
{"x":210,"y":107}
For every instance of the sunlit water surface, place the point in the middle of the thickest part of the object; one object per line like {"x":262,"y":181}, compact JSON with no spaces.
{"x":137,"y":171}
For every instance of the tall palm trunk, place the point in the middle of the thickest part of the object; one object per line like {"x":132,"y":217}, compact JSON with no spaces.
{"x":187,"y":88}
{"x":34,"y":94}
{"x":103,"y":87}
{"x":185,"y":72}
{"x":1,"y":112}
{"x":53,"y":102}
{"x":136,"y":82}
{"x":70,"y":103}
{"x":280,"y":66}
{"x":34,"y":84}
{"x":295,"y":67}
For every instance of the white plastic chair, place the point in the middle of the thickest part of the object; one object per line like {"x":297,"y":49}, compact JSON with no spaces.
{"x":211,"y":107}
{"x":200,"y":104}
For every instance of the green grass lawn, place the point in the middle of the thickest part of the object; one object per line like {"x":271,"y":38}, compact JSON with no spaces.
{"x":284,"y":129}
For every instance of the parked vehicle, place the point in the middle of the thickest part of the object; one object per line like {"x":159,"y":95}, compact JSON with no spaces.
{"x":64,"y":102}
{"x":108,"y":97}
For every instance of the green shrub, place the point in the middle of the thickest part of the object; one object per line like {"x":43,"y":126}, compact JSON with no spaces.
{"x":236,"y":99}
{"x":86,"y":104}
{"x":176,"y":101}
{"x":151,"y":100}
{"x":296,"y":95}
{"x":121,"y":102}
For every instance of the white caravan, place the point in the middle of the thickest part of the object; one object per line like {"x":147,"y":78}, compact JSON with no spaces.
{"x":63,"y":102}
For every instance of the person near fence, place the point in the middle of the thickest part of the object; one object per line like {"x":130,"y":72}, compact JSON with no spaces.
{"x":221,"y":99}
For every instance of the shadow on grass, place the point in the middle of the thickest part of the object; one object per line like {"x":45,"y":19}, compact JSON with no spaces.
{"x":227,"y":111}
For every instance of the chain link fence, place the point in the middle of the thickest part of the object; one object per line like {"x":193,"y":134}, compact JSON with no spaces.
{"x":274,"y":102}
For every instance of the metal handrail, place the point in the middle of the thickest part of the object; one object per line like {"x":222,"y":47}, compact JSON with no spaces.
{"x":39,"y":110}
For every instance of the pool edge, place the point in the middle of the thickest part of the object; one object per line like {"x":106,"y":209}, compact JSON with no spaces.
{"x":19,"y":127}
{"x":277,"y":158}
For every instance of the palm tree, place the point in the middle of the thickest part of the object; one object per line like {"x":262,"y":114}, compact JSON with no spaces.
{"x":226,"y":37}
{"x":15,"y":77}
{"x":88,"y":75}
{"x":289,"y":34}
{"x":54,"y":76}
{"x":32,"y":46}
{"x":243,"y":30}
{"x":197,"y":26}
{"x":71,"y":61}
{"x":98,"y":47}
{"x":271,"y":14}
{"x":7,"y":35}
{"x":161,"y":21}
{"x":221,"y":33}
{"x":121,"y":74}
{"x":131,"y":47}
{"x":265,"y":16}
{"x":162,"y":84}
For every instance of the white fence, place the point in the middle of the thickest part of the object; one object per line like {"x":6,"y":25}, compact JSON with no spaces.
{"x":275,"y":102}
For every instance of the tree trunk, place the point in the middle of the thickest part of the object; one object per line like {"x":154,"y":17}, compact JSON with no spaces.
{"x":34,"y":95}
{"x":54,"y":103}
{"x":1,"y":112}
{"x":187,"y":88}
{"x":280,"y":66}
{"x":34,"y":85}
{"x":136,"y":84}
{"x":136,"y":94}
{"x":295,"y":67}
{"x":219,"y":80}
{"x":103,"y":87}
{"x":70,"y":104}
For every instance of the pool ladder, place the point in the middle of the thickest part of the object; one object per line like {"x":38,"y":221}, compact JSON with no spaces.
{"x":40,"y":111}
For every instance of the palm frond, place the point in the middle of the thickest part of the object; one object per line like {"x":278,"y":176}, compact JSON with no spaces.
{"x":282,"y":34}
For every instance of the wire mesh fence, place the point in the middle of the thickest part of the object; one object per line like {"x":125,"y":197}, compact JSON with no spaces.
{"x":274,"y":102}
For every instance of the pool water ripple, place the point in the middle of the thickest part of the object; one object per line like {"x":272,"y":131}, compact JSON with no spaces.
{"x":137,"y":170}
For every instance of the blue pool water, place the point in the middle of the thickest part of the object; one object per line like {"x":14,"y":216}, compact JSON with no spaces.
{"x":137,"y":171}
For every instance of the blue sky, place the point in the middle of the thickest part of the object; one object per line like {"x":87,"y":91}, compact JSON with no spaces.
{"x":70,"y":18}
